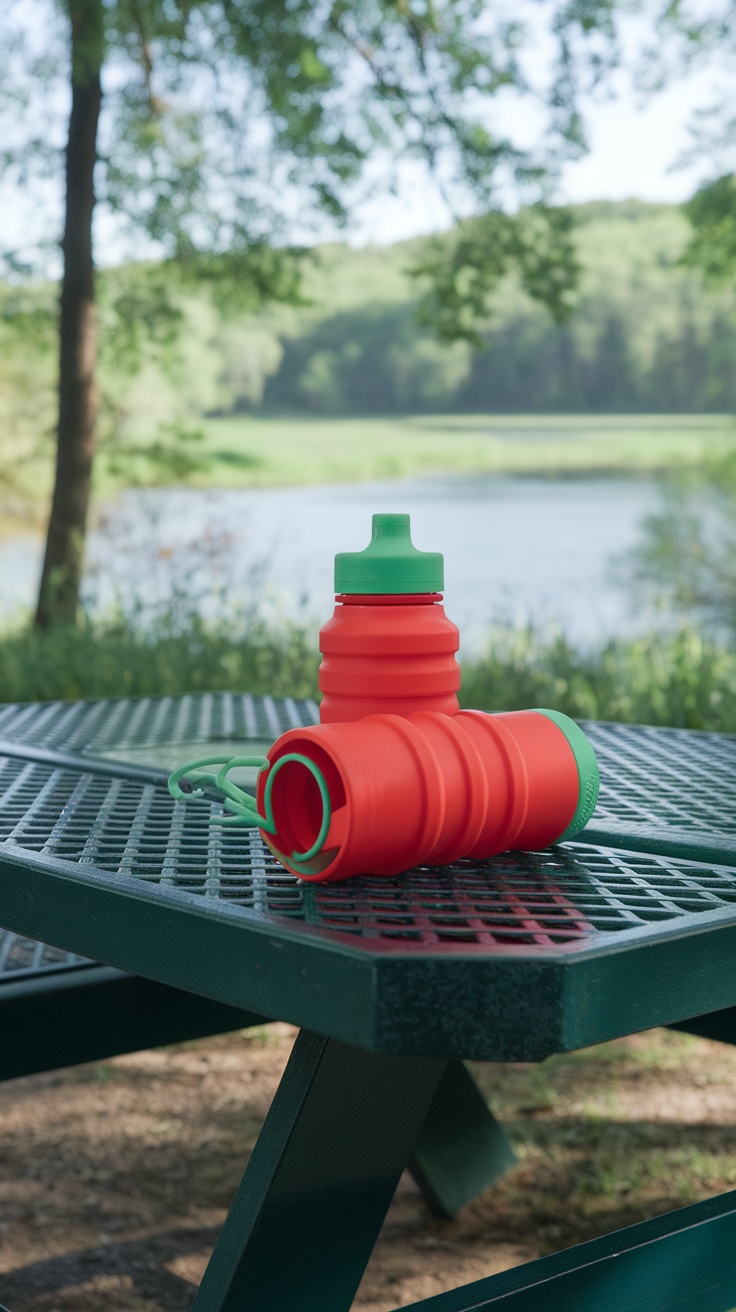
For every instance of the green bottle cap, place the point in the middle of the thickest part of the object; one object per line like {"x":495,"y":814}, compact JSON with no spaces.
{"x":390,"y":562}
{"x":588,"y":776}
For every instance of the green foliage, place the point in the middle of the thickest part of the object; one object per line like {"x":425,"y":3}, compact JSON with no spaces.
{"x":220,"y":118}
{"x":139,"y":315}
{"x":217,"y":113}
{"x":465,"y":267}
{"x":118,"y":658}
{"x":646,"y":335}
{"x":173,"y":456}
{"x":687,"y":558}
{"x":682,"y":680}
{"x":27,"y":374}
{"x":371,"y":360}
{"x":712,"y":213}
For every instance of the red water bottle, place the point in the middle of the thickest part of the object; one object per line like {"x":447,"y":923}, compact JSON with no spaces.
{"x":389,"y":646}
{"x":396,"y":775}
{"x":388,"y":792}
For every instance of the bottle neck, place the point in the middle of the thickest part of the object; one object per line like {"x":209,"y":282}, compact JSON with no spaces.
{"x":388,"y":599}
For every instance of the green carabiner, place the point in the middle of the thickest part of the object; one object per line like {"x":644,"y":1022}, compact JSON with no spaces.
{"x":242,"y":804}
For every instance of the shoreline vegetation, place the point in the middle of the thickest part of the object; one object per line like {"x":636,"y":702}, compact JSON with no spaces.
{"x":267,"y":452}
{"x":683,"y":680}
{"x":257,"y":452}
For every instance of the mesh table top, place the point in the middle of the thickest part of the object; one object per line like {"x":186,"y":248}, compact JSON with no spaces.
{"x":642,"y":768}
{"x":23,"y":957}
{"x":136,"y":725}
{"x":566,"y":895}
{"x":64,"y":810}
{"x":136,"y":729}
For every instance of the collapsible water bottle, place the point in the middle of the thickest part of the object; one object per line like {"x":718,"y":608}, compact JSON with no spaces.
{"x":389,"y":646}
{"x":396,"y":775}
{"x":387,"y":793}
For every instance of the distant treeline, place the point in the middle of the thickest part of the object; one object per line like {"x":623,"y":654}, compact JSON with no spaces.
{"x":376,"y":361}
{"x":647,"y":336}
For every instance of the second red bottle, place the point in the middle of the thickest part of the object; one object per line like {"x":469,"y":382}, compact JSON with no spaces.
{"x":389,"y":646}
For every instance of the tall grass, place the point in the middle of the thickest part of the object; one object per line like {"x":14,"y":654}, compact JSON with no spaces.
{"x":117,"y":658}
{"x":683,"y":680}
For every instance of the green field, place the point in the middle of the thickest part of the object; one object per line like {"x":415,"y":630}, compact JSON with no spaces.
{"x":261,"y":452}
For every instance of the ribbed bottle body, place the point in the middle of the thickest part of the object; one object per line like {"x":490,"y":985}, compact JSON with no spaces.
{"x":392,"y":654}
{"x":426,"y":789}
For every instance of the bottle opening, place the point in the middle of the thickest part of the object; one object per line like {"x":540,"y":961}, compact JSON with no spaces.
{"x":300,"y":796}
{"x":297,"y":807}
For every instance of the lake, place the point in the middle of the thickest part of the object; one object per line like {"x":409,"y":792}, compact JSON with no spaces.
{"x":516,"y":549}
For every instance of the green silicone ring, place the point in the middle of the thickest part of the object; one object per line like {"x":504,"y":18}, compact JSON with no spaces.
{"x":588,"y":777}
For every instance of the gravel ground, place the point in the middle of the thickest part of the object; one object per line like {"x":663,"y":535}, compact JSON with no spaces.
{"x":115,"y":1178}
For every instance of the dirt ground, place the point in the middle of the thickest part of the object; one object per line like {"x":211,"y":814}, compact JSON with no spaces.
{"x":115,"y":1178}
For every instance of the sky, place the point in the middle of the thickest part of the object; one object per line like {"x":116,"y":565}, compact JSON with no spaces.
{"x":634,"y":149}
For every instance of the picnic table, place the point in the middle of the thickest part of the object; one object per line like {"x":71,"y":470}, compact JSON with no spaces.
{"x":392,"y":981}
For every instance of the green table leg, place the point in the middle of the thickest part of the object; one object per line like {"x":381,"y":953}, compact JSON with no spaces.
{"x":461,"y":1148}
{"x":322,"y":1175}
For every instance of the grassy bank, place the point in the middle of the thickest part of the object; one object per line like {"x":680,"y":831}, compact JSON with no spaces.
{"x":683,"y":680}
{"x":261,"y":452}
{"x":258,"y":452}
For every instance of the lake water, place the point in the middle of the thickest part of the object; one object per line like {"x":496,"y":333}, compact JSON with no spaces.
{"x":516,"y":549}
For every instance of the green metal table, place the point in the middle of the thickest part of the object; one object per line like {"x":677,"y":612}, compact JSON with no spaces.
{"x":510,"y":959}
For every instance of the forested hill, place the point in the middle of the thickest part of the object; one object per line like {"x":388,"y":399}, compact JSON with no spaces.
{"x":647,"y":336}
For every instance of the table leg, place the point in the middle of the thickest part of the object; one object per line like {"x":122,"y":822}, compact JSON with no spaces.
{"x":461,"y":1148}
{"x":320,"y":1180}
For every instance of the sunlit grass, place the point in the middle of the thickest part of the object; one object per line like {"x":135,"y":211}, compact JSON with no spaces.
{"x":264,"y":452}
{"x":610,"y":1135}
{"x":259,"y":452}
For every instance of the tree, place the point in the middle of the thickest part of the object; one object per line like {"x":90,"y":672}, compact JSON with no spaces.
{"x":687,"y":557}
{"x":206,"y":127}
{"x":709,"y":33}
{"x":712,"y":213}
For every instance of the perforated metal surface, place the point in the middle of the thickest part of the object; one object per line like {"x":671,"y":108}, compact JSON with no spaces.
{"x":665,"y":777}
{"x":670,"y":778}
{"x":127,"y":727}
{"x":537,"y":902}
{"x":135,"y":723}
{"x":20,"y":957}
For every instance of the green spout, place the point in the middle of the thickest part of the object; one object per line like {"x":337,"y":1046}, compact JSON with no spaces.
{"x":390,"y":563}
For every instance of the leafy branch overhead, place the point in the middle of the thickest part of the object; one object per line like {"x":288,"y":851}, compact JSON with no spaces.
{"x":221,"y":120}
{"x":216,"y":135}
{"x":712,"y":213}
{"x":465,"y":267}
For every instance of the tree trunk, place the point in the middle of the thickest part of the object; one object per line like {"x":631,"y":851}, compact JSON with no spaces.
{"x":58,"y":597}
